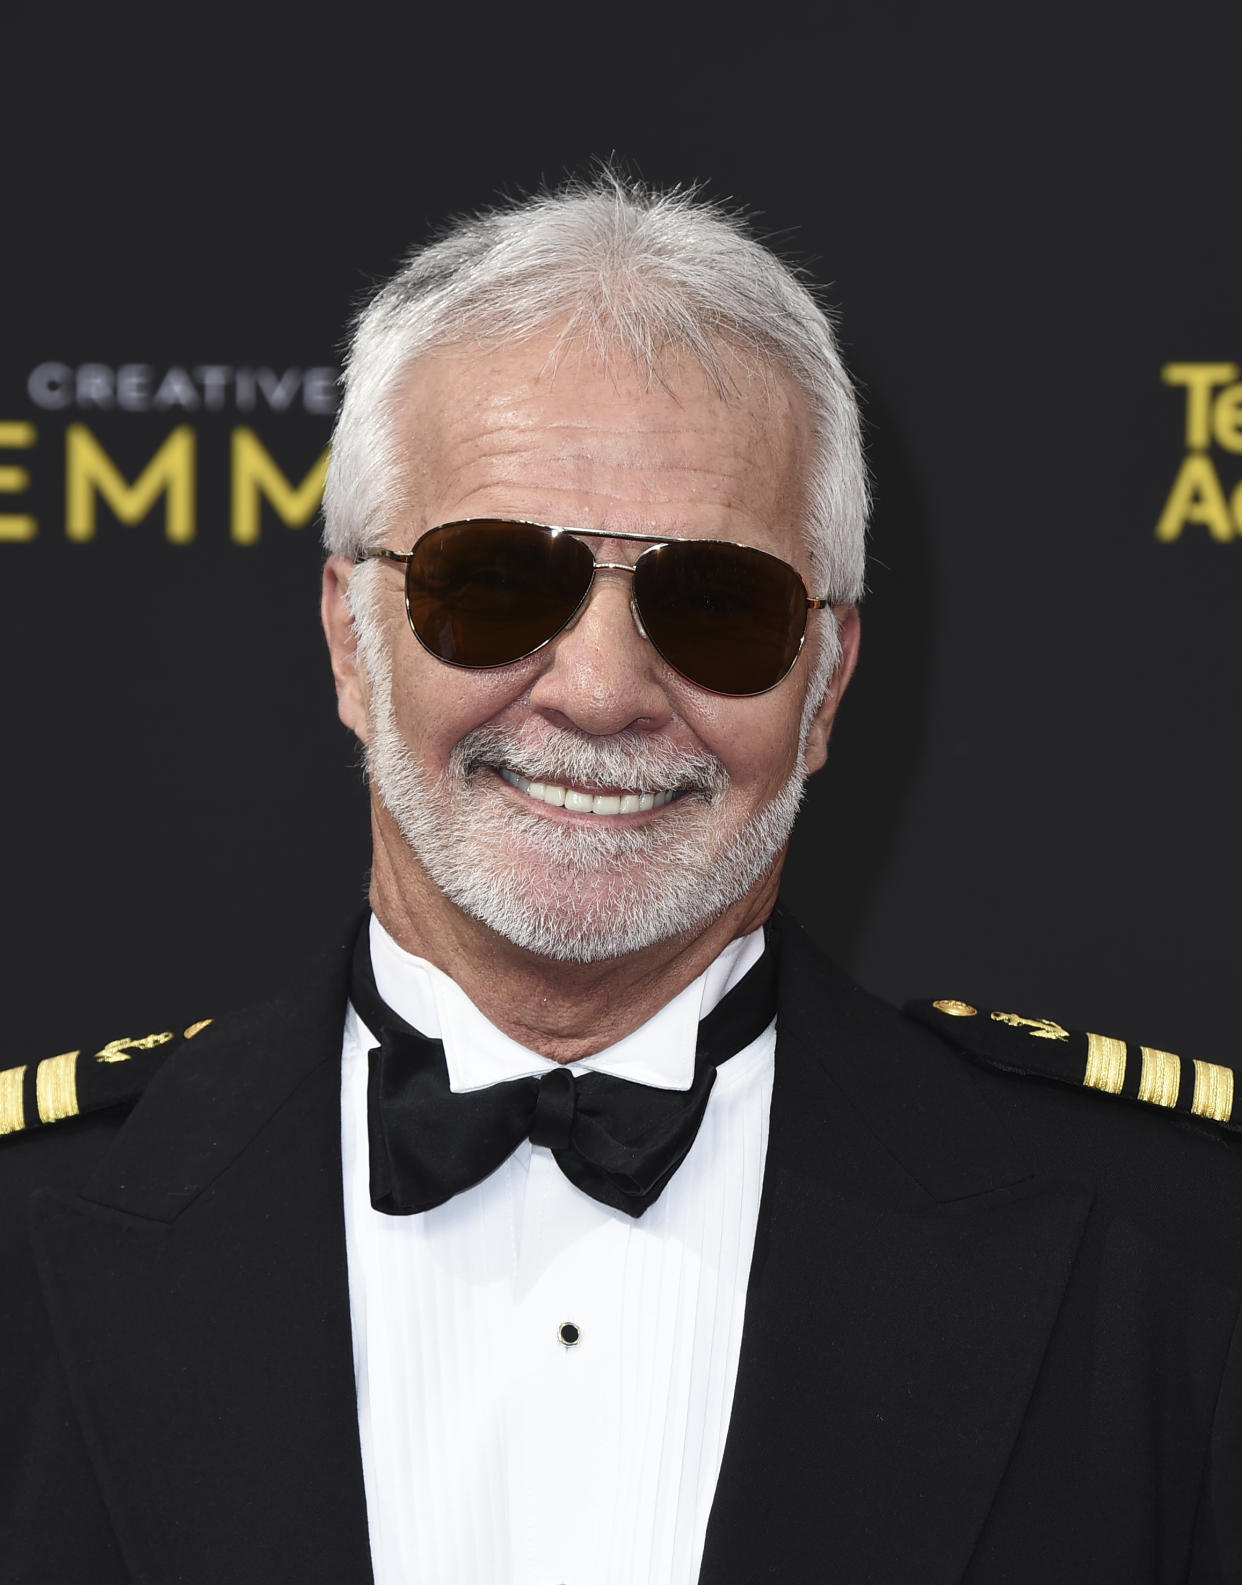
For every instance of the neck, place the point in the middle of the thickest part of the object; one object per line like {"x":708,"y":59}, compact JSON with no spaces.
{"x":562,"y":1010}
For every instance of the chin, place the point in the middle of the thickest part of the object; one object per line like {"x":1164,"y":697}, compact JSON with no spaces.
{"x":599,"y":923}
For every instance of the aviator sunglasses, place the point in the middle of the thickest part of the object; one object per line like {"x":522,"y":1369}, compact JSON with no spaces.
{"x":487,"y":592}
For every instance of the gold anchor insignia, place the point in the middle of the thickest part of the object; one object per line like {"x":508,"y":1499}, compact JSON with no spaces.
{"x":123,"y":1048}
{"x":1037,"y":1028}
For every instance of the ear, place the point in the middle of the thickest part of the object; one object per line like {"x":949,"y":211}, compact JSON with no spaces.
{"x":848,"y":632}
{"x":338,"y":628}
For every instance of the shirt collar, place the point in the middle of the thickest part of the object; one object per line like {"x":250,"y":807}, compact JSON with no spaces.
{"x":659,"y":1052}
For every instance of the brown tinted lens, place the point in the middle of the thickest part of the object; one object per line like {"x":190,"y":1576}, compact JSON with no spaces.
{"x":728,"y":617}
{"x":485,"y":593}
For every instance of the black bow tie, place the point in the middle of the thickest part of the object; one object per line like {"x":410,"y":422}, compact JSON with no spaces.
{"x":618,"y":1141}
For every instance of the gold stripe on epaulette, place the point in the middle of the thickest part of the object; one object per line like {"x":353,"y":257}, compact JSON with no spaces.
{"x":12,"y":1114}
{"x":56,"y":1087}
{"x":195,"y":1029}
{"x":1213,"y":1095}
{"x":1106,"y":1064}
{"x":1161,"y":1078}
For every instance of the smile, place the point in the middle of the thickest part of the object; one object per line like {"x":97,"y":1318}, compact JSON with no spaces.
{"x":579,"y":801}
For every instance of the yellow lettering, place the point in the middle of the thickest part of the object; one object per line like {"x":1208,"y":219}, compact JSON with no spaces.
{"x":1227,"y":418}
{"x":1196,"y":497}
{"x":255,"y":475}
{"x":1198,"y":378}
{"x":89,"y":469}
{"x":18,"y":436}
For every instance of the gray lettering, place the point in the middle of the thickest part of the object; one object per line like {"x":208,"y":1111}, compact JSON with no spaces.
{"x":244,"y":385}
{"x":142,"y":387}
{"x":49,"y":385}
{"x":177,"y":389}
{"x":214,"y":379}
{"x":279,"y":392}
{"x":319,"y":390}
{"x":133,"y":387}
{"x":94,"y":385}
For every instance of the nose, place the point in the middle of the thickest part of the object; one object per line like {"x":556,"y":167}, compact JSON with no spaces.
{"x":601,"y":675}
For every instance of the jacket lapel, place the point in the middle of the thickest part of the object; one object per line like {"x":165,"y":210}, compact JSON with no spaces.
{"x":907,"y":1274}
{"x":213,"y":1382}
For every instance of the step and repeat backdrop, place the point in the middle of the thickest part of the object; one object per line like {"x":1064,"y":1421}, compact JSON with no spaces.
{"x":1030,"y":228}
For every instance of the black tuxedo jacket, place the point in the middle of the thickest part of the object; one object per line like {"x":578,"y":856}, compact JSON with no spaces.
{"x":991,"y":1334}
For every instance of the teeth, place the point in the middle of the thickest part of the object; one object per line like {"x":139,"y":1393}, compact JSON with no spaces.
{"x":585,"y":802}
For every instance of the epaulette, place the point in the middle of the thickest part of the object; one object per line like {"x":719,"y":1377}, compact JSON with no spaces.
{"x":113,"y":1074}
{"x":1043,"y":1048}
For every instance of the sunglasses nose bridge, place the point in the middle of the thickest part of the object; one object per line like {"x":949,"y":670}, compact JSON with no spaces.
{"x":635,"y":610}
{"x":602,"y":674}
{"x":617,"y":566}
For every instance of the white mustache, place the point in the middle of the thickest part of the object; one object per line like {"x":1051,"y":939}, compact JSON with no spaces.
{"x":628,"y":760}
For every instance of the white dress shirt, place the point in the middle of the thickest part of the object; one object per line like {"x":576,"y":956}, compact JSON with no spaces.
{"x":492,"y":1452}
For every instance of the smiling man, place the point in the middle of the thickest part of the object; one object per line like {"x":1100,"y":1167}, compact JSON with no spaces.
{"x":589,"y":802}
{"x":575,"y":638}
{"x":575,"y":1220}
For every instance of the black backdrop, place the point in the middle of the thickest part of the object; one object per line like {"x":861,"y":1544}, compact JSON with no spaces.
{"x":1026,"y":215}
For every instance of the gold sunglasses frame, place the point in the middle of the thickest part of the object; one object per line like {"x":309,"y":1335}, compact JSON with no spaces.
{"x":652,"y":541}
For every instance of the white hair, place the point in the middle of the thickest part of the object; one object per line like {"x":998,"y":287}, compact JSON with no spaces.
{"x":652,"y":276}
{"x":657,"y":279}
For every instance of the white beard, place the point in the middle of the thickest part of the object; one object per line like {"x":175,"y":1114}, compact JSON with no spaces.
{"x":570,"y":891}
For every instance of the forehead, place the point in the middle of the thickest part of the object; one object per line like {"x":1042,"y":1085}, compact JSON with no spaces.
{"x":567,"y":436}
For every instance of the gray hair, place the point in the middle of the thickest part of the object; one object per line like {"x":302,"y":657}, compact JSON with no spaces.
{"x":621,"y":269}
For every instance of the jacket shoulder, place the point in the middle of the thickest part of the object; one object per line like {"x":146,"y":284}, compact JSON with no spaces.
{"x":1041,"y":1048}
{"x":93,"y":1076}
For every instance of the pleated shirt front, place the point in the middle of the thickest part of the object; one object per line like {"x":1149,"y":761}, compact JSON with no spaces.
{"x":544,"y":1384}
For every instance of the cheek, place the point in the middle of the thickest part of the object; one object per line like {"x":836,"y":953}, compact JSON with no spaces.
{"x":437,"y":705}
{"x":756,"y":740}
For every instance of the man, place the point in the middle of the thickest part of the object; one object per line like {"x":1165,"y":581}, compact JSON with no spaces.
{"x":575,"y":1220}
